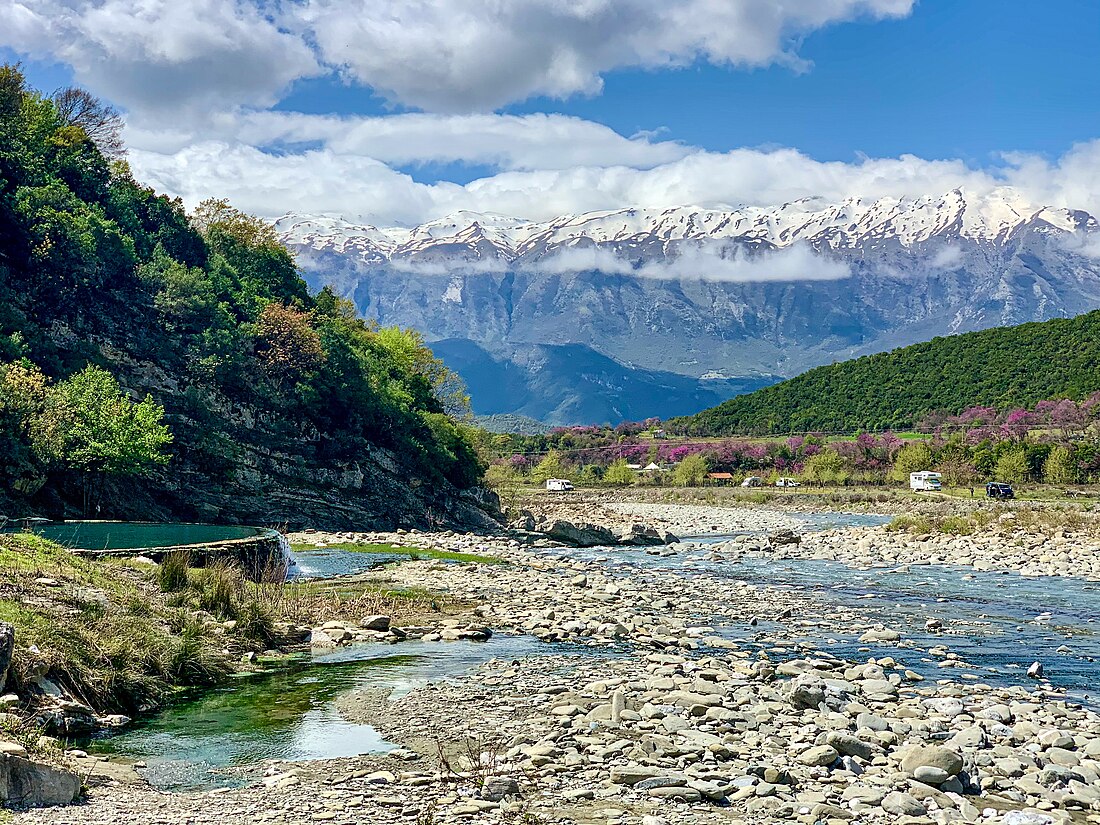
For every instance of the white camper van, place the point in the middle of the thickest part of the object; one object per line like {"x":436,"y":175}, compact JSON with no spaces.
{"x":559,"y":485}
{"x":925,"y":481}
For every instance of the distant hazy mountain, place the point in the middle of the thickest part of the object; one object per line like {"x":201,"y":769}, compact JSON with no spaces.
{"x":705,"y":295}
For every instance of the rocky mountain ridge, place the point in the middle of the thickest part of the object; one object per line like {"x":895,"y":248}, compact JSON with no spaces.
{"x":744,"y":295}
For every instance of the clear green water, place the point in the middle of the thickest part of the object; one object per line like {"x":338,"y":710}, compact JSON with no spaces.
{"x":291,"y":713}
{"x":125,"y":535}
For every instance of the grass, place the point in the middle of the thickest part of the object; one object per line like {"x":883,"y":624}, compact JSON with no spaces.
{"x":413,"y":553}
{"x":1030,"y":519}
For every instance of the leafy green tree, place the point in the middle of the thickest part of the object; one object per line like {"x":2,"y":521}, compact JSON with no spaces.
{"x":551,"y":466}
{"x":827,"y":467}
{"x":619,"y":474}
{"x":95,"y":427}
{"x":1012,"y":466}
{"x":1060,"y":467}
{"x":691,"y":471}
{"x":912,"y":458}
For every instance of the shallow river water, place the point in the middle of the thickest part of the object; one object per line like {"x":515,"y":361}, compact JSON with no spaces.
{"x":998,"y":623}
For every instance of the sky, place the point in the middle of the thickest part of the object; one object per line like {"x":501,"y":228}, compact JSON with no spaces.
{"x":395,"y":113}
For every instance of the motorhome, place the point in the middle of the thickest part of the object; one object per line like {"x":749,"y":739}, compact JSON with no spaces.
{"x":752,"y":481}
{"x":559,"y":485}
{"x":925,"y":481}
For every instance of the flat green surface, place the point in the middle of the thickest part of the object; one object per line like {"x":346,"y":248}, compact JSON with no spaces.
{"x":122,"y":535}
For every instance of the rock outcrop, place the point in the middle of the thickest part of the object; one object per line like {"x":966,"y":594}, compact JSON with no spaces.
{"x":28,"y":784}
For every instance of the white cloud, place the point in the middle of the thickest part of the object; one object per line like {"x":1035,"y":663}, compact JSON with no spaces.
{"x":360,"y":188}
{"x":711,"y":261}
{"x":946,"y":257}
{"x":523,"y":142}
{"x":466,"y":55}
{"x":155,"y":56}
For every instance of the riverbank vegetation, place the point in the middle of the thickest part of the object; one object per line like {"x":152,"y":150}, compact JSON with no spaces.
{"x":127,"y":635}
{"x":1056,"y":443}
{"x":411,"y":553}
{"x":108,"y":287}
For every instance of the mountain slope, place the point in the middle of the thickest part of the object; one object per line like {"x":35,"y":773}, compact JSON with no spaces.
{"x":284,"y":407}
{"x":574,"y":384}
{"x":1014,"y":366}
{"x":740,"y":294}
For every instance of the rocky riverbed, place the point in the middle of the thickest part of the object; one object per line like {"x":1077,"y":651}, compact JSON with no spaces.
{"x":671,"y":695}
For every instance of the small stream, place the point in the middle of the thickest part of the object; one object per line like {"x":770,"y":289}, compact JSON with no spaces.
{"x":290,"y":713}
{"x":996,"y":622}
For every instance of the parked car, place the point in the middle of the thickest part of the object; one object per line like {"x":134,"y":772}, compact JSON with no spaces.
{"x":559,"y":485}
{"x":752,"y":481}
{"x":998,"y":489}
{"x":787,"y":482}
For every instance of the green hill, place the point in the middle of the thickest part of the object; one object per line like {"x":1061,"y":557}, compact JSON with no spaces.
{"x":1004,"y":367}
{"x":282,"y":405}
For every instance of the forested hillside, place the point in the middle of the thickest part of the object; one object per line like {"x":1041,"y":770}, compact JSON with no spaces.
{"x":1005,"y":367}
{"x":156,"y":364}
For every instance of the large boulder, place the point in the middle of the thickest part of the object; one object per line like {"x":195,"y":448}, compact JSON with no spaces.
{"x":931,"y":756}
{"x":27,"y":784}
{"x":642,"y":535}
{"x":579,"y":535}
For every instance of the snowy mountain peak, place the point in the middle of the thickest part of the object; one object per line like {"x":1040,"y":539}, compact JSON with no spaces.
{"x":854,"y":222}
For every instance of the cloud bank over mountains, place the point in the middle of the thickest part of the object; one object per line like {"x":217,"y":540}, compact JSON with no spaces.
{"x":199,"y":81}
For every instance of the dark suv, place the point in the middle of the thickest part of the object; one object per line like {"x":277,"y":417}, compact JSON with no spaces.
{"x":998,"y":489}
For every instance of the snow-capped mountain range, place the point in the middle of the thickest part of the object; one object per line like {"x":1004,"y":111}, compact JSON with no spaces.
{"x":852,"y":223}
{"x":747,"y":294}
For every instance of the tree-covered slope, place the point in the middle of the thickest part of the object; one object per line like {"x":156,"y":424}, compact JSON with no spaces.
{"x":1010,"y":366}
{"x":282,"y":405}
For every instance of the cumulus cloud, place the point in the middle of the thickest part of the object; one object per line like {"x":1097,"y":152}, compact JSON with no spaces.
{"x":322,"y":181}
{"x":153,"y":56}
{"x":522,"y":142}
{"x":464,"y":55}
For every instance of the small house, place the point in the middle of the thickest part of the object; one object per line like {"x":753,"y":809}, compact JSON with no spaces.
{"x":720,"y":478}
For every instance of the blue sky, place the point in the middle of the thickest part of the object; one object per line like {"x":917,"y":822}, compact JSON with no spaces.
{"x":724,"y":101}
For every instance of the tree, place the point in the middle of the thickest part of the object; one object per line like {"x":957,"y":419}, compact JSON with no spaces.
{"x":550,"y":467}
{"x":957,"y":471}
{"x":691,"y":471}
{"x":1012,"y":466}
{"x":827,"y":467}
{"x":95,"y":429}
{"x":287,"y":344}
{"x":619,"y":474}
{"x":912,"y":458}
{"x":100,"y":121}
{"x":1060,"y":467}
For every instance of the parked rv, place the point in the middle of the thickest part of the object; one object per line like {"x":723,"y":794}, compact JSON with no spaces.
{"x":559,"y":485}
{"x":752,"y":481}
{"x":925,"y":481}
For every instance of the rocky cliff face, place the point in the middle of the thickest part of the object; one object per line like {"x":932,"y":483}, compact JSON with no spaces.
{"x":237,"y":464}
{"x":751,"y":294}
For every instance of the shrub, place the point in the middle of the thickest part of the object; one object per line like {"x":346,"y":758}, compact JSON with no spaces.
{"x":221,"y":586}
{"x":172,"y":573}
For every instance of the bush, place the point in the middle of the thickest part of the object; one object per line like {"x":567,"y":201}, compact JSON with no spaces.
{"x":220,"y":586}
{"x":254,"y":621}
{"x":172,"y":573}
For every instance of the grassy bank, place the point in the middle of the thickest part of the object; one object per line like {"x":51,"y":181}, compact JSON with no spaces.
{"x":411,"y":553}
{"x":125,"y":636}
{"x":1047,"y":519}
